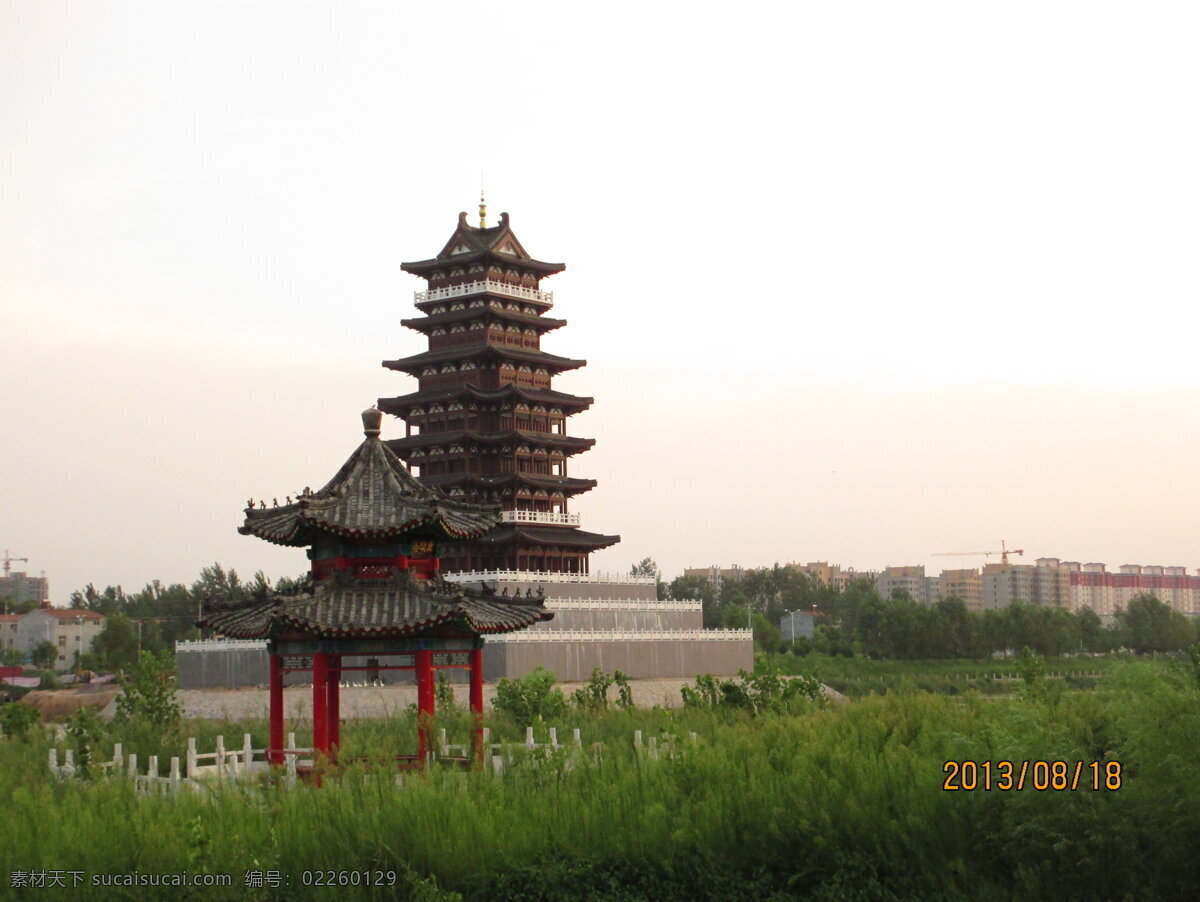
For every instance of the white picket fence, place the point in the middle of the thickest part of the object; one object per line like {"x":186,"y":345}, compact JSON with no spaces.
{"x":226,"y":763}
{"x":195,"y":771}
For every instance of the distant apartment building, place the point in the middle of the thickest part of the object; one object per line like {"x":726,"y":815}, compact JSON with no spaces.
{"x":1005,"y":583}
{"x":833,"y":575}
{"x":8,"y":630}
{"x":715,"y":573}
{"x":965,"y":585}
{"x":909,"y":579}
{"x":69,"y":630}
{"x":19,"y":588}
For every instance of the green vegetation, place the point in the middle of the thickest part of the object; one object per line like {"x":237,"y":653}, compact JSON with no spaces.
{"x":834,"y":802}
{"x":859,"y":676}
{"x":531,"y":698}
{"x":857,"y":621}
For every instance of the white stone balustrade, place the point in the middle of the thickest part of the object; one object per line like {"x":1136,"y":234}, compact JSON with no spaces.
{"x":547,"y":518}
{"x":489,"y":285}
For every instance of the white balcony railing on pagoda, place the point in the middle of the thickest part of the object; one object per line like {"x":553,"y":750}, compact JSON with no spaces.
{"x":491,"y":285}
{"x":548,"y":576}
{"x":546,"y":518}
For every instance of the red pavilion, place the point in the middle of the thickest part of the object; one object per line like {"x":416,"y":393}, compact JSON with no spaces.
{"x":374,"y":535}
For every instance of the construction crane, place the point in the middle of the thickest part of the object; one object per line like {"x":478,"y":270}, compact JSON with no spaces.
{"x":1004,"y":552}
{"x":9,"y":561}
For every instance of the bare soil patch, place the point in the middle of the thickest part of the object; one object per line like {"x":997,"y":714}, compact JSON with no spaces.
{"x":59,"y":704}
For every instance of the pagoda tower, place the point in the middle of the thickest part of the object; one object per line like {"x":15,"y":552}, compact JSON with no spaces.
{"x":485,"y":425}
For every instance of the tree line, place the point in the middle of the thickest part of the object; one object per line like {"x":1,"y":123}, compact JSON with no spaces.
{"x":154,"y":618}
{"x":857,"y":620}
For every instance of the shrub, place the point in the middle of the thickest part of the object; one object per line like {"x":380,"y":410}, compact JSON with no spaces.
{"x":149,"y":694}
{"x":531,"y":697}
{"x":86,"y":729}
{"x":765,"y":690}
{"x":594,"y":694}
{"x":16,"y":719}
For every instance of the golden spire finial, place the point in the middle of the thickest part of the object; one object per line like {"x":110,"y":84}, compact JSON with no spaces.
{"x":482,"y":210}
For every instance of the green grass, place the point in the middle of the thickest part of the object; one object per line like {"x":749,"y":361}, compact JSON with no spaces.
{"x":844,"y":802}
{"x":859,"y":676}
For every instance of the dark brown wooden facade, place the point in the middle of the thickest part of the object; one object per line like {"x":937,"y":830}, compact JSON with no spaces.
{"x":486,"y":425}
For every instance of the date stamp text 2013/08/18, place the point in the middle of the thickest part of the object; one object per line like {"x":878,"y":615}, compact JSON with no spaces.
{"x":1043,"y":776}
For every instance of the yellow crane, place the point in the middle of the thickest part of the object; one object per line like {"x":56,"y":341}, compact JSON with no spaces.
{"x":1004,"y":552}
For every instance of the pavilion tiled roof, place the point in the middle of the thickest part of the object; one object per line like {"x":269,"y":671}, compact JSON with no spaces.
{"x":372,"y":496}
{"x":398,"y":608}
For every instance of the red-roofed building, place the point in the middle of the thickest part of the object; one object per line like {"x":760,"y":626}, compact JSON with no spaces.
{"x":69,"y":630}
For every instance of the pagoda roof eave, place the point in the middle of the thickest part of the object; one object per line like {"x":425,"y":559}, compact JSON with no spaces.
{"x":420,"y":324}
{"x":545,"y":439}
{"x":451,"y":393}
{"x":548,"y":535}
{"x":424,"y":267}
{"x":566,"y":484}
{"x":451,"y":355}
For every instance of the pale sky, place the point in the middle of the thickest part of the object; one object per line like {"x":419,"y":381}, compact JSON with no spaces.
{"x":857,"y":282}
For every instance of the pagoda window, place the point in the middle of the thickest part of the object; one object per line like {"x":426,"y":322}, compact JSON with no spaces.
{"x":522,"y":465}
{"x":506,"y":465}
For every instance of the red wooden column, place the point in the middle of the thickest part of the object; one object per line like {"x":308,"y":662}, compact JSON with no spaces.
{"x":275,"y":743}
{"x":424,"y":701}
{"x":477,"y":702}
{"x":335,"y":697}
{"x":320,"y":672}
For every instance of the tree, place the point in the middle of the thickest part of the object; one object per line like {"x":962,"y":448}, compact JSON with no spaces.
{"x":149,"y":694}
{"x":1148,"y":625}
{"x":117,"y":643}
{"x":12,"y":656}
{"x":44,"y":655}
{"x":647,"y":567}
{"x":697,"y":588}
{"x":1093,"y":636}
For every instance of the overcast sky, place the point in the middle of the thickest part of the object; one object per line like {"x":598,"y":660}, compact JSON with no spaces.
{"x":857,"y":282}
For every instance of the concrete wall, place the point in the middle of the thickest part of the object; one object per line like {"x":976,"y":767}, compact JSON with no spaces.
{"x":572,"y":661}
{"x":249,"y":667}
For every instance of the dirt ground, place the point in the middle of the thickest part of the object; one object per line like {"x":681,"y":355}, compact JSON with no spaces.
{"x":379,"y":701}
{"x":356,"y":701}
{"x":58,"y":704}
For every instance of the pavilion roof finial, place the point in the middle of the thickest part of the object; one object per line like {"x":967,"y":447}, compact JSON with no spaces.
{"x":372,"y":419}
{"x":482,"y":209}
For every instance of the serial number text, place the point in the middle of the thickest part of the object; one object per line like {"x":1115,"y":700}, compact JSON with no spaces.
{"x":348,"y":878}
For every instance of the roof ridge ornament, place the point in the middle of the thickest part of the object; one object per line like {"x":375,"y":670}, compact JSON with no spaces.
{"x":482,"y":209}
{"x":372,"y":419}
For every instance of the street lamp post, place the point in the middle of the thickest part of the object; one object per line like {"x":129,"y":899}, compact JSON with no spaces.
{"x":792,"y":624}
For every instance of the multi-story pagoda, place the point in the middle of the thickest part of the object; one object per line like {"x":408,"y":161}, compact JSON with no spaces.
{"x":485,"y":425}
